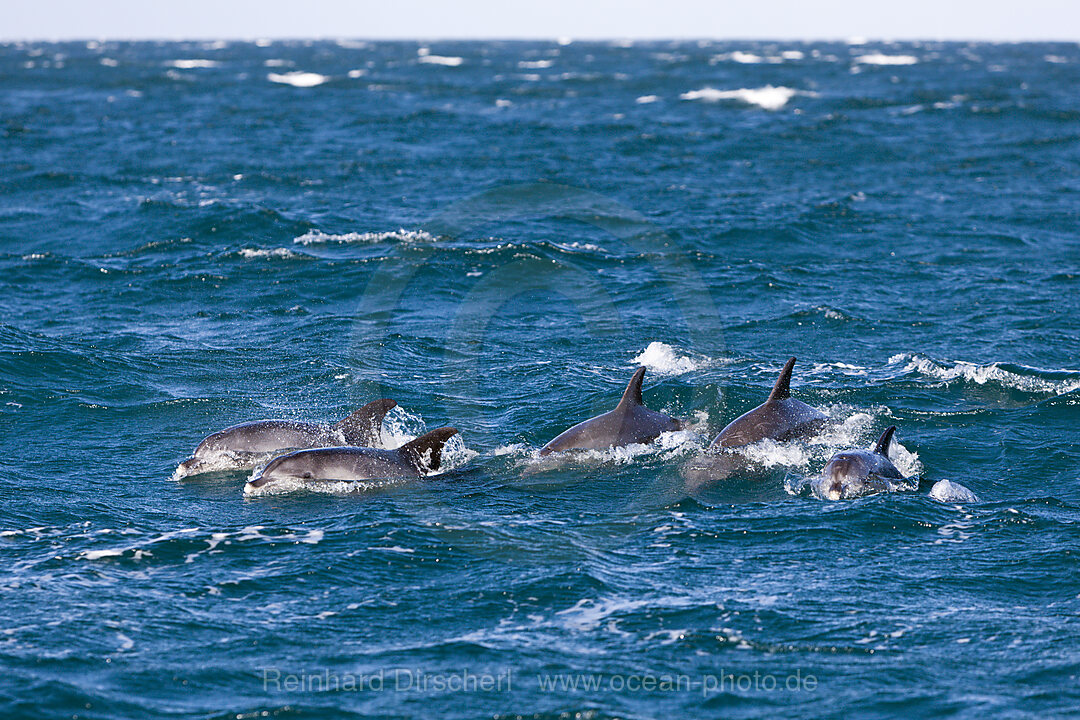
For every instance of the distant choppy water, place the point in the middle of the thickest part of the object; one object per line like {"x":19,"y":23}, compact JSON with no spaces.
{"x":494,"y":234}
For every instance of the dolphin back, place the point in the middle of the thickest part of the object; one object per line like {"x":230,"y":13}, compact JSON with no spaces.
{"x":364,"y":427}
{"x":425,"y":452}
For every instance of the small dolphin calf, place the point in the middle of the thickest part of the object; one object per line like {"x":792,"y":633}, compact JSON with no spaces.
{"x":245,"y":446}
{"x":781,"y":417}
{"x":629,"y":423}
{"x":411,"y":460}
{"x":853,"y":473}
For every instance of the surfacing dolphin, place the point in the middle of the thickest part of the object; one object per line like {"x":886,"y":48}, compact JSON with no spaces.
{"x":629,"y":423}
{"x":781,"y":417}
{"x":246,"y":445}
{"x":853,"y":473}
{"x":350,"y":464}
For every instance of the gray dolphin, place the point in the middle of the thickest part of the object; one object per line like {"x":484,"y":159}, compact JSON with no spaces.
{"x":630,"y":422}
{"x":781,"y":417}
{"x":411,"y":460}
{"x":246,"y":445}
{"x":852,"y":473}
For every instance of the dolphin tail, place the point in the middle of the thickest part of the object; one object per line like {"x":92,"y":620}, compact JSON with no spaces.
{"x":425,"y":452}
{"x":363,"y":426}
{"x":782,"y":388}
{"x":632,"y":395}
{"x":882,"y":446}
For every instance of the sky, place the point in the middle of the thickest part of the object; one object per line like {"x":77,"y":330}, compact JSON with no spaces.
{"x":579,"y":19}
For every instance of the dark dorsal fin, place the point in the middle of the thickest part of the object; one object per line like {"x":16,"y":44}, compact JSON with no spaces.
{"x":632,"y":395}
{"x":425,"y":452}
{"x":882,"y":447}
{"x":782,"y":388}
{"x":363,"y":426}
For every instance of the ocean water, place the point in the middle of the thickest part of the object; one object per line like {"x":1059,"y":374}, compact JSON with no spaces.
{"x":194,"y":235}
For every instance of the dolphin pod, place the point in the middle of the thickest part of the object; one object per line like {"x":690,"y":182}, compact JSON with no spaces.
{"x":299,"y":453}
{"x":249,"y":444}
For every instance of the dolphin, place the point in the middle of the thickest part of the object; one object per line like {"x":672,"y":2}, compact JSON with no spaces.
{"x":248,"y":444}
{"x":411,"y":460}
{"x":852,"y":473}
{"x":781,"y":417}
{"x":630,"y":422}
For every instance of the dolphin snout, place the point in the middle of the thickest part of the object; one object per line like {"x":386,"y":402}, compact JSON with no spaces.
{"x":191,"y":466}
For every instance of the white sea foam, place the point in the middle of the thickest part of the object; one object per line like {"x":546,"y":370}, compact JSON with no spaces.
{"x":668,"y":446}
{"x":767,"y":98}
{"x":983,"y":374}
{"x":882,"y":59}
{"x":663,"y":359}
{"x":947,"y":491}
{"x":424,"y":56}
{"x":318,"y":237}
{"x":646,"y":99}
{"x":535,"y":64}
{"x":266,"y":252}
{"x":194,"y":63}
{"x":298,"y":79}
{"x":738,"y":56}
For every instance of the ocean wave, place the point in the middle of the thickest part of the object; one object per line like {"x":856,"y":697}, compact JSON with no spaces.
{"x":424,"y":56}
{"x":266,"y":253}
{"x":882,"y":59}
{"x":298,"y":79}
{"x":663,"y":359}
{"x":1016,"y":377}
{"x":768,"y":97}
{"x":194,"y":63}
{"x":318,"y":237}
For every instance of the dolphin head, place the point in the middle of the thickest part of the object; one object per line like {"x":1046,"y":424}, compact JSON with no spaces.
{"x":191,"y":466}
{"x":297,"y":466}
{"x":847,"y":475}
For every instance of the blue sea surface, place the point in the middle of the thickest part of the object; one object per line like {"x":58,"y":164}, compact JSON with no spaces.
{"x":495,"y":234}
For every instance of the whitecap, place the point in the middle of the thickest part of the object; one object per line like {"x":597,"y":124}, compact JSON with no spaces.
{"x":882,"y":59}
{"x":298,"y":79}
{"x":663,"y":359}
{"x":646,"y":99}
{"x":767,"y":98}
{"x":193,"y":63}
{"x":318,"y":237}
{"x":535,"y":64}
{"x":982,"y":374}
{"x":265,"y":252}
{"x":424,"y":56}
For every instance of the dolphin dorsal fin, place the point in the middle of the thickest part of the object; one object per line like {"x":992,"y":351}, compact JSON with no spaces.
{"x":632,"y":395}
{"x":882,"y":446}
{"x":782,"y":388}
{"x":362,"y":427}
{"x":425,"y":452}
